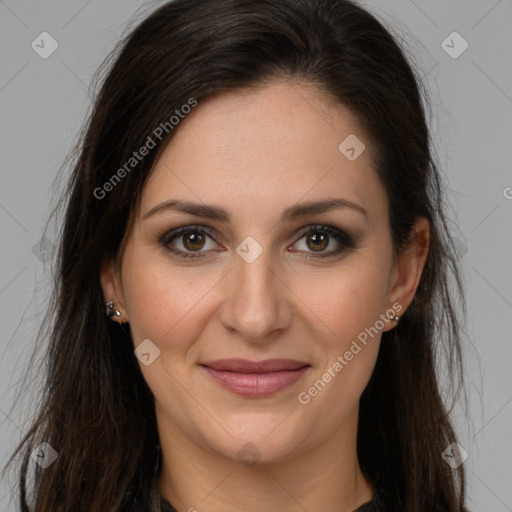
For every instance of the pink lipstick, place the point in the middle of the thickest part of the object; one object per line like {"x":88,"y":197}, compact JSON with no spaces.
{"x":255,"y":378}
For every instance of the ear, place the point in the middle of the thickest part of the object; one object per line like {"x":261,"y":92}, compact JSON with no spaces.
{"x":110,"y":281}
{"x":408,"y":268}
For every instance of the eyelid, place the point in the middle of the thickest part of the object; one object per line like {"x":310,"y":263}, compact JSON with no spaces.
{"x":338,"y":234}
{"x":171,"y":235}
{"x":344,"y":239}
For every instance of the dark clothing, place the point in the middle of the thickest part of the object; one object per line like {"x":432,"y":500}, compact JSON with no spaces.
{"x":375,"y":505}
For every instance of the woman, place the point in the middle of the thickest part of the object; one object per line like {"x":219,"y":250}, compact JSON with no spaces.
{"x":252,"y":284}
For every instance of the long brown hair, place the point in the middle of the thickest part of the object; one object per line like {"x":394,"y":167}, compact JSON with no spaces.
{"x":96,"y":410}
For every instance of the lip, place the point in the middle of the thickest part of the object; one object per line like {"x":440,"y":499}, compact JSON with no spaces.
{"x":256,"y":378}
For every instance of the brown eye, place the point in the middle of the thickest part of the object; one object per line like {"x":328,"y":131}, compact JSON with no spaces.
{"x":193,"y":240}
{"x":318,"y":238}
{"x":318,"y":241}
{"x":186,"y":241}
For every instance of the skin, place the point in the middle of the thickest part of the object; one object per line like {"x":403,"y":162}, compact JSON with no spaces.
{"x":256,"y":152}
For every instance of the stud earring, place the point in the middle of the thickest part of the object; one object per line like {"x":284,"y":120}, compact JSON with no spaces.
{"x":111,"y":309}
{"x":395,"y":318}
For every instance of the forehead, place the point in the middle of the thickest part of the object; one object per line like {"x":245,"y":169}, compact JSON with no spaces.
{"x":271,"y":146}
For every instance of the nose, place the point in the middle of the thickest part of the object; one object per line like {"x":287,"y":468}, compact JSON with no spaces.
{"x":257,"y":303}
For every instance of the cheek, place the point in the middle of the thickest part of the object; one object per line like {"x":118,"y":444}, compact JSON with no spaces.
{"x":347,"y":330}
{"x":169,"y":309}
{"x":173,"y":305}
{"x":166,"y":305}
{"x":348,"y":300}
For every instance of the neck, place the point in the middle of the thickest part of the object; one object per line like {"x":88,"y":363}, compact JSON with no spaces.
{"x":328,"y":477}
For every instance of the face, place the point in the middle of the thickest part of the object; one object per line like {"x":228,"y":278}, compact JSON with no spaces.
{"x":265,"y":278}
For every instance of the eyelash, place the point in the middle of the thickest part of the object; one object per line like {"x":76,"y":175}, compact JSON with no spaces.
{"x":345,"y":240}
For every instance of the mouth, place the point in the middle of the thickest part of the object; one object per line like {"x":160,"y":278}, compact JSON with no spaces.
{"x":256,"y":378}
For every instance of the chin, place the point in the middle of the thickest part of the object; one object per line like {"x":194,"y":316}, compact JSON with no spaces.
{"x":257,"y":442}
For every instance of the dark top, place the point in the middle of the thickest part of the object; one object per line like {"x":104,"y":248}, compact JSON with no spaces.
{"x":375,"y":505}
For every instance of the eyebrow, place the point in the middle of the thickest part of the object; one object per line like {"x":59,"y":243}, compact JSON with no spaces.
{"x":291,"y":213}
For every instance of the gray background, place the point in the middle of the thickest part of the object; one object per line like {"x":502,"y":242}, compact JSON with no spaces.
{"x":43,"y":103}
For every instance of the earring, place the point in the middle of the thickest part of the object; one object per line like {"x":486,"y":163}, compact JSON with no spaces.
{"x":395,"y":318}
{"x":111,"y":310}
